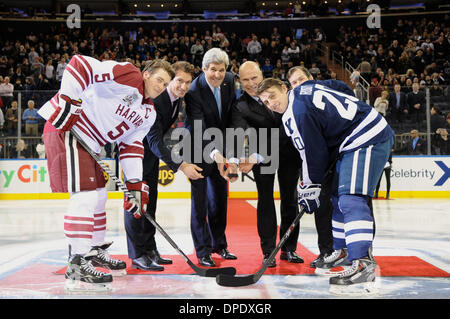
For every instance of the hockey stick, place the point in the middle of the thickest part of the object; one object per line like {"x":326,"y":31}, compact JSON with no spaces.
{"x":238,"y":281}
{"x":204,"y":272}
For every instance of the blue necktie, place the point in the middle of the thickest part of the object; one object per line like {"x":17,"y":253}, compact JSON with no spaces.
{"x":219,"y":104}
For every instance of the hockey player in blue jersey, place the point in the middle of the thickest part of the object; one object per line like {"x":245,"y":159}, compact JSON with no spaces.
{"x":327,"y":125}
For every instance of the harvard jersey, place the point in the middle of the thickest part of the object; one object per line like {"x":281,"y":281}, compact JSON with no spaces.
{"x":324,"y":123}
{"x":114,"y":108}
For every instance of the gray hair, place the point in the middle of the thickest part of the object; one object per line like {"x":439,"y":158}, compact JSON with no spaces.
{"x":215,"y":55}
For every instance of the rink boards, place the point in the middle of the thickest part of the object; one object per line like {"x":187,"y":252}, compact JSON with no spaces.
{"x":411,"y":177}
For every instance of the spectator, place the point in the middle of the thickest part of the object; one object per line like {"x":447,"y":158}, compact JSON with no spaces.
{"x":197,"y":52}
{"x":436,"y":90}
{"x":6,"y":91}
{"x":2,"y":122}
{"x":49,"y":70}
{"x":416,"y":145}
{"x":443,"y":144}
{"x":437,"y":121}
{"x":314,"y":70}
{"x":21,"y":150}
{"x":381,"y":103}
{"x":267,"y":68}
{"x":31,"y":117}
{"x":32,"y":55}
{"x":398,"y":106}
{"x":254,"y":48}
{"x":365,"y":69}
{"x":416,"y":103}
{"x":447,"y":120}
{"x":60,"y":69}
{"x":375,"y":90}
{"x":285,"y":58}
{"x":12,"y":118}
{"x":419,"y":62}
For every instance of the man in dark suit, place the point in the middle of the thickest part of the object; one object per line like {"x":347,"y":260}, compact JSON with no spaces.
{"x":208,"y":106}
{"x":247,"y":113}
{"x":416,"y":146}
{"x":398,"y":108}
{"x":416,"y":103}
{"x":141,"y":243}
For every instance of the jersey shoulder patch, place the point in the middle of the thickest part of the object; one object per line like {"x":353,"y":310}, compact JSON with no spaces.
{"x":306,"y":90}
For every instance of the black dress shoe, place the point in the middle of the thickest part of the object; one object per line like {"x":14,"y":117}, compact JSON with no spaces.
{"x":292,"y":257}
{"x":156,"y":257}
{"x":225,"y":254}
{"x":145,"y":263}
{"x":207,"y":261}
{"x":272,"y":264}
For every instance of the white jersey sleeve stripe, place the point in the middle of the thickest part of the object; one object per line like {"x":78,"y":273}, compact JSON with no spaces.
{"x":76,"y":76}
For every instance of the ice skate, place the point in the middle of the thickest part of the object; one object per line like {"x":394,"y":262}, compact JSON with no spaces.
{"x":102,"y":259}
{"x":82,"y":277}
{"x":333,"y":264}
{"x":359,"y":279}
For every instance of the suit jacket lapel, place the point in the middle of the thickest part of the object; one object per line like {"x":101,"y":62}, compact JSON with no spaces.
{"x":259,"y":107}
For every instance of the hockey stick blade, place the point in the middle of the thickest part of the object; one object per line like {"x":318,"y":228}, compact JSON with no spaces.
{"x":203,"y":272}
{"x":239,"y":281}
{"x":214,"y":272}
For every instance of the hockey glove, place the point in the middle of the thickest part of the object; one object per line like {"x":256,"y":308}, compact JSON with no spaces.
{"x":308,"y":196}
{"x":137,"y":205}
{"x":66,"y":114}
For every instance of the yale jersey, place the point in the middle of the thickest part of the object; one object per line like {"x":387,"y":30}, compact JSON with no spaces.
{"x":114,"y":108}
{"x":324,"y":123}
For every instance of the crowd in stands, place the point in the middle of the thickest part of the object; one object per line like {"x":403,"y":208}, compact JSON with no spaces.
{"x":398,"y":63}
{"x":413,"y":55}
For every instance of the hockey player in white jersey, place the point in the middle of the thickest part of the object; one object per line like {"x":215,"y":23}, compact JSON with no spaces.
{"x":327,"y":125}
{"x":104,"y":102}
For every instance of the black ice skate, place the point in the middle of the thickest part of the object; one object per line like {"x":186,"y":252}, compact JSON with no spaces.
{"x":81,"y":276}
{"x":358,"y":279}
{"x":333,"y":264}
{"x":102,"y":259}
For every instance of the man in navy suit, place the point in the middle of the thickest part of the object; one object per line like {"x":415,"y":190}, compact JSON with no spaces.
{"x":140,"y":232}
{"x":208,"y":106}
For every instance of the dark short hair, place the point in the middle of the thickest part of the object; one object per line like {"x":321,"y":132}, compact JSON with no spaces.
{"x":268,"y":83}
{"x":183,"y":66}
{"x":156,"y":64}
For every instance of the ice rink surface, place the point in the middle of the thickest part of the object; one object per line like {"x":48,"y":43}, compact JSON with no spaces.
{"x":32,"y":247}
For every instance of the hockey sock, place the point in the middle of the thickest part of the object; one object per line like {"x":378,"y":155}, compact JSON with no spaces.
{"x":79,"y":221}
{"x":337,"y":225}
{"x":358,"y":225}
{"x":98,"y":235}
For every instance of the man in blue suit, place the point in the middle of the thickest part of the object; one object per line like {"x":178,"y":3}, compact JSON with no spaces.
{"x":208,"y":106}
{"x":141,"y":243}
